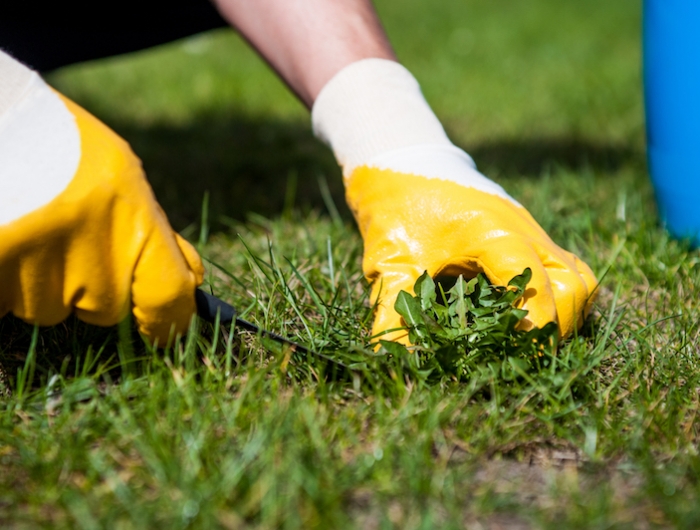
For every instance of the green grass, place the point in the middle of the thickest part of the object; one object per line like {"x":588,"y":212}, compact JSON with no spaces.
{"x":231,"y":431}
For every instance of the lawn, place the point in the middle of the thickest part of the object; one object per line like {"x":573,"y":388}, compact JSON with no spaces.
{"x":229,"y":430}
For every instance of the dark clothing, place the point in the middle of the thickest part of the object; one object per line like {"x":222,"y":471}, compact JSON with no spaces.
{"x":49,"y":34}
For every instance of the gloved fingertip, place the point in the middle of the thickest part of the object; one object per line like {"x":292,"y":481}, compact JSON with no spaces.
{"x":387,"y":319}
{"x":590,"y":280}
{"x":191,"y":257}
{"x":164,"y":309}
{"x":540,"y":320}
{"x":161,"y":332}
{"x":540,"y":304}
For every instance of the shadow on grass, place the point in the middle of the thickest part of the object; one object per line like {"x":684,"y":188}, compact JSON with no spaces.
{"x":74,"y":348}
{"x":532,"y":157}
{"x":247,"y":165}
{"x":59,"y":349}
{"x":259,"y":165}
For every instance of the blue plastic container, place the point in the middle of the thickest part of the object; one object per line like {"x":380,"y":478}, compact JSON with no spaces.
{"x":672,"y":100}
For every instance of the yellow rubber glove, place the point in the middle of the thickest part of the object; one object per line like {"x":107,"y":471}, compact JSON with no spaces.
{"x":421,"y":205}
{"x":412,"y":224}
{"x":80,"y":229}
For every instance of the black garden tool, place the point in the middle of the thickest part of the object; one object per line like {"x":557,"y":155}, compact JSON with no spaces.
{"x":209,"y":305}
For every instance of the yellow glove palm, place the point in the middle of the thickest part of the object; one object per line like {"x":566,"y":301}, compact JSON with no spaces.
{"x":100,"y":248}
{"x":412,"y":224}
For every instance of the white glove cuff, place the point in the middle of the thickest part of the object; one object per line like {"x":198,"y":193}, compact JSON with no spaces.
{"x":444,"y":162}
{"x":39,"y":142}
{"x":15,"y":79}
{"x":373,"y":113}
{"x":371,"y":107}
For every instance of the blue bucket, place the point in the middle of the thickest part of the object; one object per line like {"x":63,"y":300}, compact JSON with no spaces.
{"x":672,"y":101}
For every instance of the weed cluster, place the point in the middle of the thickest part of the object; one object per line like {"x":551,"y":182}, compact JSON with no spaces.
{"x":473,"y":324}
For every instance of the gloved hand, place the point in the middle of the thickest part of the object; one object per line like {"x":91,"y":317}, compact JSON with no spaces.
{"x":411,"y":223}
{"x":80,"y":229}
{"x":421,"y":205}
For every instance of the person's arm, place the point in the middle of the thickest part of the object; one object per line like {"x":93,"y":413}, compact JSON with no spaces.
{"x":419,"y":201}
{"x":307,"y":42}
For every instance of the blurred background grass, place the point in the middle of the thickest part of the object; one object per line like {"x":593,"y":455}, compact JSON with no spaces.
{"x":526,"y":87}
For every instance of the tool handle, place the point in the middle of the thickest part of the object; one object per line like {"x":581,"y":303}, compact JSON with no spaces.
{"x":209,"y":305}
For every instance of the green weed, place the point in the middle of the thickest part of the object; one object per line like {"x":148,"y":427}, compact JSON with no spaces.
{"x":472,"y":324}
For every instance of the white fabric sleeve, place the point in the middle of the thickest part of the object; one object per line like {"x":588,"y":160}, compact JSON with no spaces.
{"x":39,"y":141}
{"x":373,"y":113}
{"x":14,"y":82}
{"x":371,"y":107}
